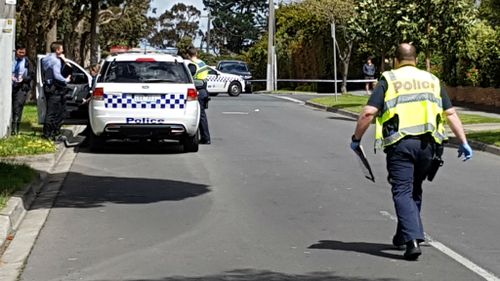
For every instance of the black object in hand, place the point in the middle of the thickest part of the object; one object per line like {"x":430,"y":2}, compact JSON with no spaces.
{"x":435,"y":164}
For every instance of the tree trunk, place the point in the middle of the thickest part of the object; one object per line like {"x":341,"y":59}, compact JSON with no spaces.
{"x":428,"y":60}
{"x":51,"y":37}
{"x":93,"y":31}
{"x":382,"y":62}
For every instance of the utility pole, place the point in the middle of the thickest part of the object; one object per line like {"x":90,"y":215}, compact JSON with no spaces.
{"x":334,"y":37}
{"x":208,"y":30}
{"x":7,"y":42}
{"x":270,"y":49}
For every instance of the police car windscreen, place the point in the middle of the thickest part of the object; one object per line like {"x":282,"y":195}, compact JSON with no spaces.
{"x":146,"y":72}
{"x":238,"y":67}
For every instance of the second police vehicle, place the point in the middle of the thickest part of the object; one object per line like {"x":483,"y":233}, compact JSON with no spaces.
{"x":135,"y":96}
{"x":220,"y":82}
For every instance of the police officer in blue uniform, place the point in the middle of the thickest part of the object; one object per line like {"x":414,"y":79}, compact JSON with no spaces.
{"x":203,"y":97}
{"x":409,"y":106}
{"x":21,"y":86}
{"x":54,"y":84}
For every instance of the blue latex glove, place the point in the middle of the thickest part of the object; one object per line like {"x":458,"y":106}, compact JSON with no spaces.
{"x":465,"y":150}
{"x":355,"y":143}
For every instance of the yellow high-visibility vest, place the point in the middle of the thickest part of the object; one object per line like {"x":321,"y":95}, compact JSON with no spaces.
{"x":201,"y":69}
{"x":414,"y":96}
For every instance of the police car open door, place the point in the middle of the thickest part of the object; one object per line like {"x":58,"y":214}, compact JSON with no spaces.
{"x":78,"y":89}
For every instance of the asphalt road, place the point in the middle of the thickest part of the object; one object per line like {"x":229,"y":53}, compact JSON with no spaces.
{"x":277,"y":196}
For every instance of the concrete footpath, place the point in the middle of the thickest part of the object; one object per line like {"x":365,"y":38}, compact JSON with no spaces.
{"x":17,"y":220}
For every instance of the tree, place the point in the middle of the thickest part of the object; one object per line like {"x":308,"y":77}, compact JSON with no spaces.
{"x":374,"y":25}
{"x":490,"y":11}
{"x":124,"y":25}
{"x":339,"y":13}
{"x":235,"y":23}
{"x":173,"y":25}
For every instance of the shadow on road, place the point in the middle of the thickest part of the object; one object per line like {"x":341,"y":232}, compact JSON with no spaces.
{"x":374,"y":249}
{"x":263,"y":275}
{"x":86,"y":191}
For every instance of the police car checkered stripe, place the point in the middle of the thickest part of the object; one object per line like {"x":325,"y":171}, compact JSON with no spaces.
{"x":221,"y":78}
{"x":127,"y":101}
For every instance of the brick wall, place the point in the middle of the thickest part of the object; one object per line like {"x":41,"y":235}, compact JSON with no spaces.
{"x":485,"y":97}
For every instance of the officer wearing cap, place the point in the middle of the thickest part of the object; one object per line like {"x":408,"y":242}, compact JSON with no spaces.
{"x":201,"y":74}
{"x":410,"y":106}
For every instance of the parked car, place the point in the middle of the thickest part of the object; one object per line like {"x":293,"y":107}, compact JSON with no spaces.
{"x":237,"y":67}
{"x":220,"y":82}
{"x":137,"y":96}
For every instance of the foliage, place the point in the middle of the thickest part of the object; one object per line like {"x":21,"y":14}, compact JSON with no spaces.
{"x":480,"y":57}
{"x":236,"y":24}
{"x":13,"y":177}
{"x":120,"y":22}
{"x":128,"y":25}
{"x":172,"y":26}
{"x":490,"y":11}
{"x":339,"y":13}
{"x":374,"y":25}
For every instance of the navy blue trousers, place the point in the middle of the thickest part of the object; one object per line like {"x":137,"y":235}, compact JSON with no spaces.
{"x":408,"y":162}
{"x":56,"y":109}
{"x":203,"y":100}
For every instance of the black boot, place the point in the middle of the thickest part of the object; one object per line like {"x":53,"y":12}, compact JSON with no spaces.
{"x":412,"y":250}
{"x":398,"y":242}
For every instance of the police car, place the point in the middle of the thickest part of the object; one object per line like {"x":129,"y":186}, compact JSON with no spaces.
{"x":220,"y":82}
{"x":143,"y":96}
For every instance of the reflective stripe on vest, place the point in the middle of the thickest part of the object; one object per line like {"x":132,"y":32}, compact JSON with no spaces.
{"x":415,"y":97}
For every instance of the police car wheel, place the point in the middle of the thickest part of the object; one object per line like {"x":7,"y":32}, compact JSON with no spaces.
{"x":96,"y":143}
{"x":234,"y":89}
{"x":191,"y":143}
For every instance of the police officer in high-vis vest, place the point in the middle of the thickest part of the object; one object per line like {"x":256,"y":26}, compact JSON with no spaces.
{"x":201,"y":74}
{"x":410,"y":107}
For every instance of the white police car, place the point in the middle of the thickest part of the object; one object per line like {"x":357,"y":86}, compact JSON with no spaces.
{"x":220,"y":82}
{"x":144,"y":96}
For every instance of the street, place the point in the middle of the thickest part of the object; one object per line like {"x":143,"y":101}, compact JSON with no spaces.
{"x":278,"y":195}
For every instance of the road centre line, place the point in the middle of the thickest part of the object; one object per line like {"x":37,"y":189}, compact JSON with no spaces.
{"x":452,"y":254}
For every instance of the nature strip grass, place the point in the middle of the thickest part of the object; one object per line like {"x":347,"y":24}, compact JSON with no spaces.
{"x":25,"y":145}
{"x":489,"y":137}
{"x":13,"y":177}
{"x":29,"y":141}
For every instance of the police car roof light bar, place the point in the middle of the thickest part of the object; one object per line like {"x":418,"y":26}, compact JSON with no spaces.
{"x":145,"y":60}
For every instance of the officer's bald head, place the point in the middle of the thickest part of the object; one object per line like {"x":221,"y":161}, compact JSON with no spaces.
{"x":406,"y":52}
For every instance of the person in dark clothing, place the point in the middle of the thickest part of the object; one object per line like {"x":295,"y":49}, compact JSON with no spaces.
{"x":410,"y":106}
{"x":203,"y":97}
{"x":369,"y":73}
{"x":21,"y":86}
{"x":54,"y":85}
